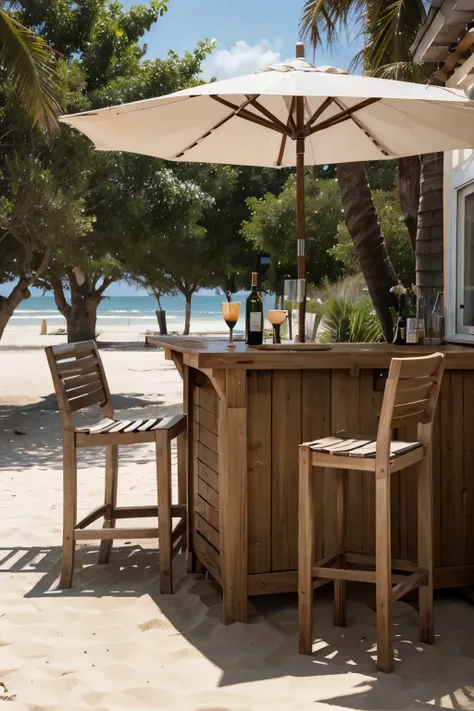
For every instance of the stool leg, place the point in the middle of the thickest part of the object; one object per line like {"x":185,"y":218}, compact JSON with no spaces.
{"x":383,"y":568}
{"x":182,"y":443}
{"x":340,"y":600}
{"x":425,"y":547}
{"x":110,"y":497}
{"x":306,"y":546}
{"x":163,"y":474}
{"x":69,"y":508}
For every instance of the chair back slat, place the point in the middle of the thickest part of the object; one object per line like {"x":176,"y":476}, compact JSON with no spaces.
{"x":411,"y":394}
{"x":79,"y":379}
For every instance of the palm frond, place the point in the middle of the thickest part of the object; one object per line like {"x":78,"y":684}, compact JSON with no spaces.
{"x":322,"y":19}
{"x":392,"y":27}
{"x":29,"y":65}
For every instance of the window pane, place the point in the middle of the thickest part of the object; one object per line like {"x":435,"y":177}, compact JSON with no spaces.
{"x":469,"y":260}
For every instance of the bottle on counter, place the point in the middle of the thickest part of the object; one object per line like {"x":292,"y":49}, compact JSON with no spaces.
{"x":420,"y":320}
{"x":437,"y":320}
{"x":254,"y":316}
{"x":411,"y":320}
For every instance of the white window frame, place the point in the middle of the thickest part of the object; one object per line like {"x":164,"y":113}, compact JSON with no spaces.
{"x":462,"y":181}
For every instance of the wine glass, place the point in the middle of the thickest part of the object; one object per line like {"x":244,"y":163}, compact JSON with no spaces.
{"x":276,"y":317}
{"x":231,"y":312}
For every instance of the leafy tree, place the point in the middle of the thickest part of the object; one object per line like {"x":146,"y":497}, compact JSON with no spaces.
{"x":271,"y":228}
{"x":28,"y":65}
{"x":396,"y":236}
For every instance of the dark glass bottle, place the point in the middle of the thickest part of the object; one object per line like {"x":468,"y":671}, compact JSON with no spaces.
{"x":254,"y":316}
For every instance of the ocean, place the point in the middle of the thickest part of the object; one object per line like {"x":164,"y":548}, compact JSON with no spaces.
{"x":137,"y":312}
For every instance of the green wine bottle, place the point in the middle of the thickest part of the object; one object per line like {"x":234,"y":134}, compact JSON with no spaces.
{"x":254,"y":316}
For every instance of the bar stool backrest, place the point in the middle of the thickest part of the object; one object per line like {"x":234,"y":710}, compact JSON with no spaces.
{"x":410,"y":397}
{"x":79,"y":379}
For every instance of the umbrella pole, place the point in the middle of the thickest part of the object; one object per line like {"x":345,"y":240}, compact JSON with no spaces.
{"x":300,"y":216}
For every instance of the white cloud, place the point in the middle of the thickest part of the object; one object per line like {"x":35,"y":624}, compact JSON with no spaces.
{"x":242,"y":58}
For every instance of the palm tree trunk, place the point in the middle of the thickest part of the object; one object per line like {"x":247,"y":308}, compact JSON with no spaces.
{"x":364,"y":228}
{"x":408,"y":185}
{"x":429,"y":236}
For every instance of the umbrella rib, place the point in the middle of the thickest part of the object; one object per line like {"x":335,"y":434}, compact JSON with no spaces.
{"x":364,"y":128}
{"x":215,"y":127}
{"x":343,"y":116}
{"x":267,"y":113}
{"x":290,"y":122}
{"x":248,"y":116}
{"x":320,"y":110}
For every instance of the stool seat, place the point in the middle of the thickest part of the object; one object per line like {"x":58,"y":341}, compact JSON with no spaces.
{"x":359,"y":453}
{"x":112,"y":431}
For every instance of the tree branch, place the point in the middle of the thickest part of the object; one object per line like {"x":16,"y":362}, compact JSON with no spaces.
{"x":60,"y":298}
{"x":105,"y":285}
{"x":47,"y":256}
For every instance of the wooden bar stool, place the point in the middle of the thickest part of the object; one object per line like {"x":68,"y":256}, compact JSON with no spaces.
{"x":80,"y":381}
{"x":411,"y":393}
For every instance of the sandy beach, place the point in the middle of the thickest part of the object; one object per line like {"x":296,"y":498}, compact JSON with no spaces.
{"x":113,"y":642}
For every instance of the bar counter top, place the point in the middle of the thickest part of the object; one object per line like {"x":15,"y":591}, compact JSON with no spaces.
{"x":208,"y":353}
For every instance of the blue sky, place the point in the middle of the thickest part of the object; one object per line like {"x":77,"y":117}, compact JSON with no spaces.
{"x":249,"y":34}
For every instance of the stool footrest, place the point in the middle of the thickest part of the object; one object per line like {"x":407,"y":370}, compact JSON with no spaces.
{"x":107,"y":534}
{"x":411,"y":582}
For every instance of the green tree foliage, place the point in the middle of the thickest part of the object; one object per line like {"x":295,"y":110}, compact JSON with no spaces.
{"x":272,"y":228}
{"x":396,"y":237}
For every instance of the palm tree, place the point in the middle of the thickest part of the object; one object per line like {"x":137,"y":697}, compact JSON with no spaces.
{"x":389,"y":28}
{"x":28,"y":64}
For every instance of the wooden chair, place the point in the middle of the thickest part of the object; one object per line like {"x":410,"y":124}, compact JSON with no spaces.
{"x":411,"y":393}
{"x":80,"y":381}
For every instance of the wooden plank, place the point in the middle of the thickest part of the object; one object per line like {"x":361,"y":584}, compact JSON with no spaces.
{"x":208,"y":494}
{"x":345,"y":406}
{"x":208,"y":475}
{"x":207,"y":438}
{"x":411,"y":583}
{"x":207,"y":456}
{"x":452,"y":407}
{"x":73,"y":350}
{"x":286,"y":436}
{"x":208,"y":532}
{"x":91,"y":517}
{"x":209,"y":556}
{"x":233,"y":508}
{"x":78,"y":381}
{"x":83,"y":366}
{"x":316,"y":423}
{"x":259,"y":466}
{"x":107,"y":534}
{"x":370,"y":403}
{"x":454,"y":576}
{"x":95,"y":398}
{"x":408,"y":566}
{"x":90,"y":388}
{"x":206,"y":419}
{"x":208,"y":400}
{"x":208,"y":513}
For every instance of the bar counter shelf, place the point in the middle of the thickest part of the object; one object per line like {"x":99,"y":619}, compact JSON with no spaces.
{"x":249,"y":409}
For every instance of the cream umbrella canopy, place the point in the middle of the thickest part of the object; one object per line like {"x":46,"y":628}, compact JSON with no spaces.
{"x":289,"y":114}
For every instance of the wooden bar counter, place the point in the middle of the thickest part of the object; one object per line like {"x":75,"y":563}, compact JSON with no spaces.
{"x":248,"y":410}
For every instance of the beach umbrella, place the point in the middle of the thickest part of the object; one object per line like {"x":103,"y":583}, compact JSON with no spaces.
{"x":288,"y":114}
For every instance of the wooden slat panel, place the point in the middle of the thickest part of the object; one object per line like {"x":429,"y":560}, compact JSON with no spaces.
{"x":95,"y":398}
{"x":410,"y":408}
{"x":420,"y":367}
{"x":316,"y":423}
{"x":208,"y":400}
{"x":208,"y":532}
{"x":73,"y":350}
{"x":452,"y":407}
{"x":209,"y":494}
{"x":78,"y":381}
{"x":208,"y":513}
{"x":468,"y":487}
{"x":370,"y":403}
{"x":207,"y":456}
{"x":102,"y":426}
{"x":418,"y":391}
{"x":88,"y":389}
{"x":208,"y":475}
{"x":78,"y":367}
{"x":259,"y":463}
{"x":437,"y":489}
{"x":207,"y":438}
{"x":207,"y":420}
{"x":209,"y":556}
{"x":286,"y":436}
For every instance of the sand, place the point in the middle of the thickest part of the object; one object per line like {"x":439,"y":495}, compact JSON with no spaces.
{"x":113,"y":642}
